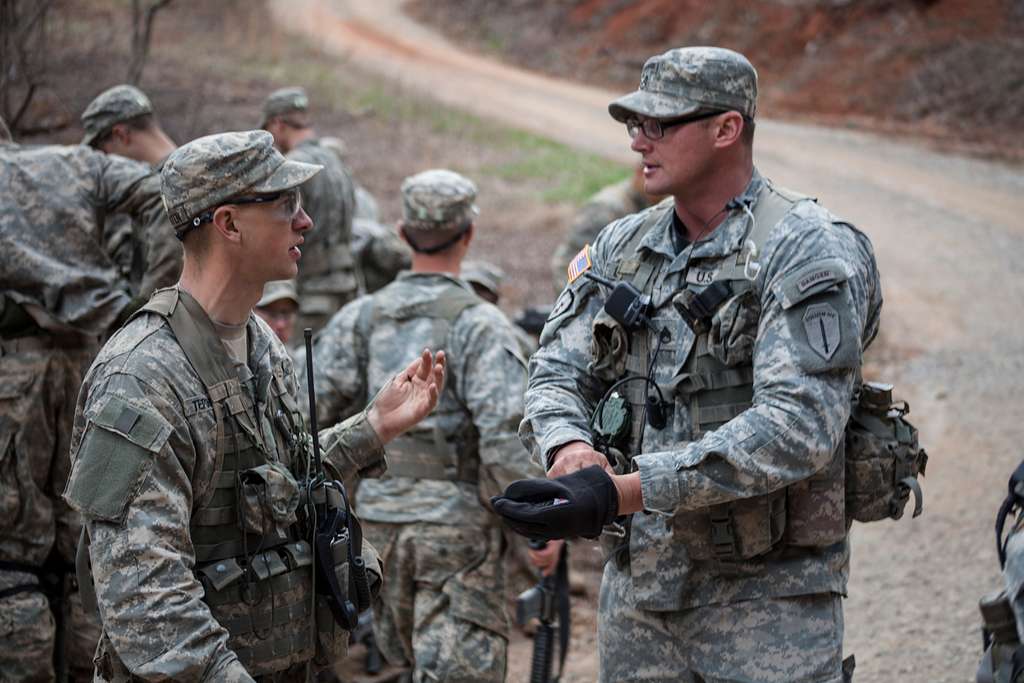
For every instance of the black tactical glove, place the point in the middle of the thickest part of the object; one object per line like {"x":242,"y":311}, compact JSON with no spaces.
{"x":576,"y":504}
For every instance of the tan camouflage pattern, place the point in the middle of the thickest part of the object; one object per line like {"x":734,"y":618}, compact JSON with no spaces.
{"x":690,"y":79}
{"x":453,"y":626}
{"x":112,"y":106}
{"x":722,"y":643}
{"x":209,"y":170}
{"x":609,"y":204}
{"x":327,"y":279}
{"x":800,"y":405}
{"x":155,"y":624}
{"x":53,"y":231}
{"x":380,"y":254}
{"x":437,"y":200}
{"x":284,"y":100}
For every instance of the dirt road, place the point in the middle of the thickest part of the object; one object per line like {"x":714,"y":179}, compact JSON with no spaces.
{"x":949,"y":236}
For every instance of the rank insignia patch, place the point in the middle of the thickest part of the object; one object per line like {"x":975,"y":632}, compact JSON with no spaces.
{"x":580,"y":264}
{"x":821,"y":323}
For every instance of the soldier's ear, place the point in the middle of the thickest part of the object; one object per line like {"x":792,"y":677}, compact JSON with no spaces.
{"x":224,"y":223}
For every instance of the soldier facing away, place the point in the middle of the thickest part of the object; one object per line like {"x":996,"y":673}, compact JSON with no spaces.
{"x":189,"y":452}
{"x":327,"y":279}
{"x":442,"y":611}
{"x":60,"y":294}
{"x":739,"y":377}
{"x":120,"y":120}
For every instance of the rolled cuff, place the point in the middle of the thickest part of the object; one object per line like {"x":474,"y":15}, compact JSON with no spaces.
{"x":659,"y":482}
{"x":354,"y":448}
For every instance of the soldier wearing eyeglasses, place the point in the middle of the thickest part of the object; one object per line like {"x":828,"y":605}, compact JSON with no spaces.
{"x":728,"y":547}
{"x":327,"y":279}
{"x":190,"y":451}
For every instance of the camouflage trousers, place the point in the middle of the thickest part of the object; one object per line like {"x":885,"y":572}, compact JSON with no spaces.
{"x":774,"y":640}
{"x":39,"y":383}
{"x":441,"y":610}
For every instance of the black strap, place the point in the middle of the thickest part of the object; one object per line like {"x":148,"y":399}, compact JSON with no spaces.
{"x":24,"y":588}
{"x":1012,"y":500}
{"x":564,"y":611}
{"x":9,"y":566}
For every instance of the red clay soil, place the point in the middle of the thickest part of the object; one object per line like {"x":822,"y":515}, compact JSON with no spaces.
{"x":944,"y":69}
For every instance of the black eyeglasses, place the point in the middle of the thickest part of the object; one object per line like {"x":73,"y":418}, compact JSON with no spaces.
{"x":655,"y":129}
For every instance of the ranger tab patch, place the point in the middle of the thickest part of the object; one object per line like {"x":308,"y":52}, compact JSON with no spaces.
{"x":821,"y":323}
{"x":580,"y":264}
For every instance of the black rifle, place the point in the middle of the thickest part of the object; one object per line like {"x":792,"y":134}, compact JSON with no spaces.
{"x":547,"y":601}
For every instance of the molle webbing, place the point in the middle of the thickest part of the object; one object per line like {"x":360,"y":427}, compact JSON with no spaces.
{"x":426,"y":454}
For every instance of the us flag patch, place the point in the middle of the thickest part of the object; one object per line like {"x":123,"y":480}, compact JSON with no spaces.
{"x":580,"y":264}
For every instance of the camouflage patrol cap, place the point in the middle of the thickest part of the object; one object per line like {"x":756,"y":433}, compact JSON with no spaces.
{"x":277,"y":290}
{"x":483,"y":274}
{"x":691,"y":79}
{"x":437,"y":200}
{"x":209,"y":170}
{"x":111,"y":107}
{"x":283,"y":101}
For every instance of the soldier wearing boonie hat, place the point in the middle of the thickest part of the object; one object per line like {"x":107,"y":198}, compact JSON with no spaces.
{"x":190,"y":439}
{"x":754,"y":304}
{"x":463,"y":452}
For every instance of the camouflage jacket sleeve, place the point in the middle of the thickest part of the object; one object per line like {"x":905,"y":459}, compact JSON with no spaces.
{"x":801,"y":395}
{"x":562,"y":393}
{"x":134,"y":189}
{"x":339,"y":376}
{"x":132,"y":480}
{"x":490,"y":378}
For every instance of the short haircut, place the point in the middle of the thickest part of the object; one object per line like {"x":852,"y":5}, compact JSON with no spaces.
{"x":428,"y":241}
{"x":140,"y":123}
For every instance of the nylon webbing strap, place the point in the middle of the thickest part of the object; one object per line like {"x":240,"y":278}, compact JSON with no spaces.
{"x":1013,"y":500}
{"x":274,"y":649}
{"x":408,"y":457}
{"x":268,"y":617}
{"x":199,"y":340}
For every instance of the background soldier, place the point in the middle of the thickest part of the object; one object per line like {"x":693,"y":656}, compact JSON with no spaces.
{"x":609,"y":204}
{"x":486,"y":279}
{"x":278,"y":307}
{"x":121,"y":121}
{"x":60,"y":294}
{"x":442,"y":610}
{"x":745,"y":364}
{"x":379,"y":253}
{"x":327,"y":279}
{"x":189,"y":447}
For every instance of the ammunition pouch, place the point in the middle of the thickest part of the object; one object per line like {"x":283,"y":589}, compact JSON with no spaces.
{"x":732,"y":532}
{"x":1003,"y":661}
{"x":883,"y":458}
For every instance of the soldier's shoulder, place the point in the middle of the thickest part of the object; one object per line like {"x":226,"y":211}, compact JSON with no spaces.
{"x":144,"y":348}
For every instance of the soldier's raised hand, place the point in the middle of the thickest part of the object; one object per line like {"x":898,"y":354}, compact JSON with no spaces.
{"x":408,"y":397}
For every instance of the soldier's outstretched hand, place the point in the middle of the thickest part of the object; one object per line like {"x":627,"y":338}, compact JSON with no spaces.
{"x":409,"y":396}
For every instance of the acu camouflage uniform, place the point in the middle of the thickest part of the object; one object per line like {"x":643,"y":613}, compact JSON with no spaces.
{"x":442,"y":610}
{"x":60,"y":293}
{"x":611,"y":203}
{"x":116,"y":105}
{"x":186,"y":465}
{"x":744,"y":530}
{"x":327,"y":276}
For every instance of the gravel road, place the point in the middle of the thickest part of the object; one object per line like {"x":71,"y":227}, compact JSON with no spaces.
{"x":950,"y":242}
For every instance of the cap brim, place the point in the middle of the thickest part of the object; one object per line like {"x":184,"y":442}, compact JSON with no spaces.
{"x":288,"y":175}
{"x":277,"y":296}
{"x":651,"y":105}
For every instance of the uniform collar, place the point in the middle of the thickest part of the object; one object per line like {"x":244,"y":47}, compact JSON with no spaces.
{"x":728,"y":237}
{"x":433,"y":278}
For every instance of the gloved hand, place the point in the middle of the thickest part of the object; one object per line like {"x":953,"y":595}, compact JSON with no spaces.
{"x":576,"y":504}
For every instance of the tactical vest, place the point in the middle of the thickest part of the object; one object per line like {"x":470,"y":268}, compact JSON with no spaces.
{"x":1003,"y":660}
{"x":254,"y":565}
{"x":424,"y":452}
{"x":809,"y":513}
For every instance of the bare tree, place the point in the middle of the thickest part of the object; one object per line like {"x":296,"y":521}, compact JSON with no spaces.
{"x":23,"y":59}
{"x":143,"y":15}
